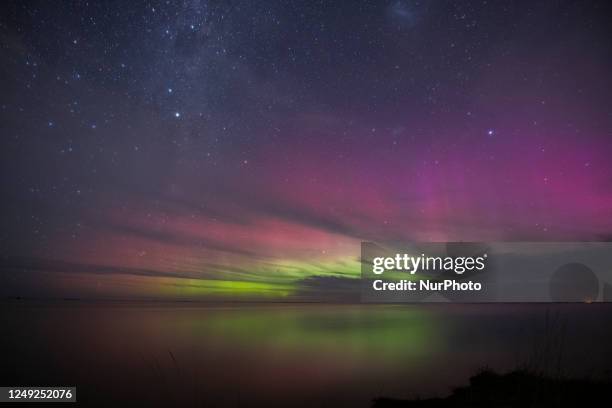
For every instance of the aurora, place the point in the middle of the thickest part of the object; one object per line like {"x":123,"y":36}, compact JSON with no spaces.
{"x":213,"y":152}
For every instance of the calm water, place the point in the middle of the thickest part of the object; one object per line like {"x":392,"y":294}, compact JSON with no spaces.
{"x":302,"y":355}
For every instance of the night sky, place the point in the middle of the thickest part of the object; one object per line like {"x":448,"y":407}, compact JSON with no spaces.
{"x":242,"y":150}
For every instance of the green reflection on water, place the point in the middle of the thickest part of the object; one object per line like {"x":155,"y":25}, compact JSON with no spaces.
{"x":382,"y":332}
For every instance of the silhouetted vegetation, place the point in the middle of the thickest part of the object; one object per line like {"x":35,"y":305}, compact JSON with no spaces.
{"x":515,"y":389}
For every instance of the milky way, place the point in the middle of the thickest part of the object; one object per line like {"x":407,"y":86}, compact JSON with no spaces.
{"x":244,"y":149}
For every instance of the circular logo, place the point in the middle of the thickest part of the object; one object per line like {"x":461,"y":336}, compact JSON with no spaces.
{"x":574,"y":282}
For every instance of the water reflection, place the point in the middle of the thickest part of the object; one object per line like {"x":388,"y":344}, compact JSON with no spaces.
{"x":245,"y":355}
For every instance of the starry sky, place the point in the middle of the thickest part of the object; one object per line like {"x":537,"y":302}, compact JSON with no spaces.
{"x":244,"y":149}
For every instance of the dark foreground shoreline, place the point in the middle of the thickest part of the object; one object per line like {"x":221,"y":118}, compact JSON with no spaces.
{"x":518,"y":388}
